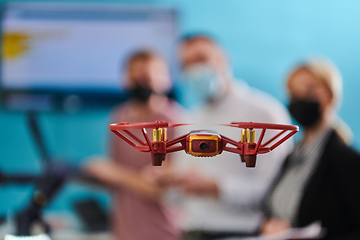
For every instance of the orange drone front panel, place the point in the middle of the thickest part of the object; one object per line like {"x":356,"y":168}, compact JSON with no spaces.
{"x":203,"y":144}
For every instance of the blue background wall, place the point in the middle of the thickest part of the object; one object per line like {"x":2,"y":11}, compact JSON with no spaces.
{"x":264,"y":40}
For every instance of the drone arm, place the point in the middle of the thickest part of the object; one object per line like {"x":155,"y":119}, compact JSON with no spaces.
{"x":282,"y":140}
{"x":169,"y":144}
{"x":233,"y":150}
{"x":142,"y":148}
{"x":227,"y":140}
{"x":146,"y":138}
{"x":180,"y":139}
{"x":135,"y":138}
{"x":275,"y":137}
{"x":260,"y":140}
{"x":174,"y":149}
{"x":123,"y":137}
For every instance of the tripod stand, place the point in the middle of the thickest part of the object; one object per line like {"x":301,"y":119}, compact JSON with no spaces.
{"x":47,"y":184}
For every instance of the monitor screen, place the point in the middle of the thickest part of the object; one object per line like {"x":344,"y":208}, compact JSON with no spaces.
{"x":60,"y":54}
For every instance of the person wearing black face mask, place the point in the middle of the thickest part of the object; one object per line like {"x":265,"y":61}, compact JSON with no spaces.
{"x":138,"y":210}
{"x":319,"y":181}
{"x":305,"y":112}
{"x":141,"y":93}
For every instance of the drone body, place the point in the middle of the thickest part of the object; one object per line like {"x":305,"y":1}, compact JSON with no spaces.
{"x":203,"y":143}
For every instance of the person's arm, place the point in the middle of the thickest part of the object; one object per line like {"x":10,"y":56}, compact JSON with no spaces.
{"x":117,"y":175}
{"x":195,"y":183}
{"x":346,"y":167}
{"x":241,"y":186}
{"x":112,"y":171}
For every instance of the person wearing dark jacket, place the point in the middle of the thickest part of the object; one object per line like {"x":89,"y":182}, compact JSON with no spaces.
{"x":320,"y":179}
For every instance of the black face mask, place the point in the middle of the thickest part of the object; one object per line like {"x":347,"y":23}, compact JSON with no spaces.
{"x":141,"y":93}
{"x":305,"y":112}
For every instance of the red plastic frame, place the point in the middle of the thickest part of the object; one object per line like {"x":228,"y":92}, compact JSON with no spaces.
{"x":248,"y":151}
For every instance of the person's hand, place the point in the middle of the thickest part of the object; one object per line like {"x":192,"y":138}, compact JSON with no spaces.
{"x":274,"y":226}
{"x":195,"y":183}
{"x":116,"y":175}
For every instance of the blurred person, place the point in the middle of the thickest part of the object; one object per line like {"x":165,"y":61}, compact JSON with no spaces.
{"x":319,"y":181}
{"x":138,"y":210}
{"x":222,"y":197}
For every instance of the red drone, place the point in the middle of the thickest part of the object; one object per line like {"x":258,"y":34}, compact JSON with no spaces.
{"x":203,"y":143}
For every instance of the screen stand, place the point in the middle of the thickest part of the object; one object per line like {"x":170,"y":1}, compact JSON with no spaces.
{"x":46,"y":186}
{"x":37,"y":137}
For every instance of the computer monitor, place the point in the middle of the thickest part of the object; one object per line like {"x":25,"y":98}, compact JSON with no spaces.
{"x":70,"y":55}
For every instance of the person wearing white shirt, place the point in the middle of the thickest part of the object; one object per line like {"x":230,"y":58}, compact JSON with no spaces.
{"x":222,"y":197}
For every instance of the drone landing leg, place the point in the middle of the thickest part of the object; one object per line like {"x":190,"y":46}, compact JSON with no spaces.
{"x":250,"y":161}
{"x":157,"y":159}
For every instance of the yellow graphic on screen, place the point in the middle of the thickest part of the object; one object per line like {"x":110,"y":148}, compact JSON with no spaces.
{"x":14,"y":45}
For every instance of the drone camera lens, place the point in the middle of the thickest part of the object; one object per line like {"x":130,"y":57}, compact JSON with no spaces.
{"x":203,"y":146}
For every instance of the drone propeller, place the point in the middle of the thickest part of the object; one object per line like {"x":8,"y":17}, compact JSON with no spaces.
{"x":179,"y":124}
{"x":253,"y":125}
{"x":128,"y":126}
